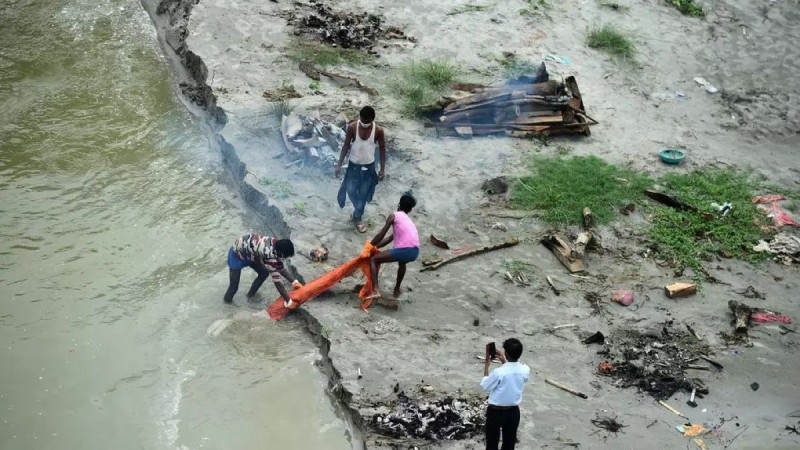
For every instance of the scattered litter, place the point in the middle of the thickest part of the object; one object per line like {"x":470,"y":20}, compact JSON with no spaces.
{"x":754,"y":386}
{"x":769,"y":205}
{"x":445,"y":419}
{"x":724,"y":208}
{"x":348,"y":29}
{"x":784,"y":246}
{"x":700,"y":444}
{"x":676,"y":290}
{"x":319,"y":254}
{"x":557,"y":58}
{"x":596,"y":338}
{"x":706,"y":85}
{"x":622,"y":296}
{"x":654,"y":362}
{"x":498,"y":226}
{"x":606,"y":367}
{"x":767,"y":316}
{"x":439,"y":243}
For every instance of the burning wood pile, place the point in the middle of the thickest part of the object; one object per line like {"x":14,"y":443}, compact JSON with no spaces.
{"x":311,"y":141}
{"x":524,"y":107}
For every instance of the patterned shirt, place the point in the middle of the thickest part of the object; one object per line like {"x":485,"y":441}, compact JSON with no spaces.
{"x":255,"y":247}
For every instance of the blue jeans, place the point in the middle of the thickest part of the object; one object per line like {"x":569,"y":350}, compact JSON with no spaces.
{"x":359,"y":184}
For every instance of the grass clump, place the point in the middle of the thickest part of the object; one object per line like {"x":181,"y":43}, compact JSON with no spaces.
{"x":613,"y":5}
{"x":279,"y":109}
{"x":277,"y":187}
{"x":514,"y":67}
{"x":534,"y":7}
{"x":559,"y":188}
{"x":688,"y":7}
{"x":688,"y":238}
{"x":611,"y":40}
{"x":320,"y":54}
{"x":421,"y":83}
{"x":470,"y":7}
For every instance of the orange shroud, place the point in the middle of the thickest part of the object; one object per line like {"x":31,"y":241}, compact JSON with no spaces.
{"x":277,"y":311}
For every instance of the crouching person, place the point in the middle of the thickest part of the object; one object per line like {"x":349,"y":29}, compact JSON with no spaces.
{"x":265,"y":255}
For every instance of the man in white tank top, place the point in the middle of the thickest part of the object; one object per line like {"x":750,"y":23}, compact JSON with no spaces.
{"x":360,"y":178}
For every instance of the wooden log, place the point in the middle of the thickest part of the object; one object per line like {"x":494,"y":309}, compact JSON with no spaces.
{"x":742,"y":313}
{"x":310,"y":71}
{"x":579,"y":247}
{"x":588,"y":219}
{"x":665,"y":405}
{"x":353,"y":80}
{"x":538,"y":120}
{"x":712,"y":362}
{"x":565,"y":388}
{"x":561,"y":249}
{"x":508,"y":243}
{"x":676,"y":290}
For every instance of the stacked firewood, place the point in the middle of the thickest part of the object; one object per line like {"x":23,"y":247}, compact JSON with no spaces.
{"x":517,"y":109}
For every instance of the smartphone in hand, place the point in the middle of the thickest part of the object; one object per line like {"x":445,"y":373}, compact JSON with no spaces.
{"x":491,"y":349}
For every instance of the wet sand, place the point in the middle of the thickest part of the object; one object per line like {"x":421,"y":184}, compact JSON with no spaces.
{"x":742,"y":48}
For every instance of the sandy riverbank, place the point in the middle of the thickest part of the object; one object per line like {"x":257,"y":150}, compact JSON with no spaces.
{"x":744,"y":49}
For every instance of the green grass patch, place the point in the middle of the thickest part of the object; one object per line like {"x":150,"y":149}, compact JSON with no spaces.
{"x":422,"y":82}
{"x":279,"y":109}
{"x":688,"y":7}
{"x":611,"y":40}
{"x":613,"y":5}
{"x":470,"y":7}
{"x":320,"y":54}
{"x":277,"y":187}
{"x":559,"y":188}
{"x":534,"y":7}
{"x":689,"y":238}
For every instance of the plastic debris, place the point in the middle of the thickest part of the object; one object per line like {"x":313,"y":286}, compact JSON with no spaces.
{"x":769,"y":205}
{"x":768,"y":316}
{"x":622,"y":296}
{"x":606,"y":367}
{"x":706,"y":85}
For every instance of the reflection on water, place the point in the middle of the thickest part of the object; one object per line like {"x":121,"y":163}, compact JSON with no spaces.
{"x":114,"y":222}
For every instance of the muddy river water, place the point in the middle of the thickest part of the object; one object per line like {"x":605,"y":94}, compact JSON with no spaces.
{"x":115,"y":218}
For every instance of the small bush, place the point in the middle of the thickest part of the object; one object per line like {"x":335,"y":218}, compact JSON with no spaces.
{"x":688,"y":7}
{"x":534,"y":7}
{"x":612,"y":41}
{"x":421,"y":83}
{"x":279,"y":109}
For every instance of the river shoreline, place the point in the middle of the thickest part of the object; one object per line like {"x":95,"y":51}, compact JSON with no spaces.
{"x":440,"y":313}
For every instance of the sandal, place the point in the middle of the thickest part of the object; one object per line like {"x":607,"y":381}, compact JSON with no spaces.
{"x":361,"y":227}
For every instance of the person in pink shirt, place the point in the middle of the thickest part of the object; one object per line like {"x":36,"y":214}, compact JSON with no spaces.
{"x":405,"y":249}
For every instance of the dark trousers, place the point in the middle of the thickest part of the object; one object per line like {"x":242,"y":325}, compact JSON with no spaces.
{"x":359,"y":183}
{"x":505,"y":421}
{"x":234,"y":283}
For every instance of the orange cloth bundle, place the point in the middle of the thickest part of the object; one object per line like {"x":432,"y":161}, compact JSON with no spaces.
{"x":277,"y":311}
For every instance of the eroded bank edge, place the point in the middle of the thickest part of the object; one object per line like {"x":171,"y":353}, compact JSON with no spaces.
{"x":170,"y":18}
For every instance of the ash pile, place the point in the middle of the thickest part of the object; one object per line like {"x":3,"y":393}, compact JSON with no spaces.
{"x":348,"y":29}
{"x":655,"y":362}
{"x":311,"y":141}
{"x":445,"y":419}
{"x":527,"y":106}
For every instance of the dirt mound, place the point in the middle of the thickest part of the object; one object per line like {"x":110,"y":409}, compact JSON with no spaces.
{"x":446,"y":419}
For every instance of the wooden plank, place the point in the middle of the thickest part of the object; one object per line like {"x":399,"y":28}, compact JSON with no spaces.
{"x":538,"y":120}
{"x":676,"y":290}
{"x":561,"y":249}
